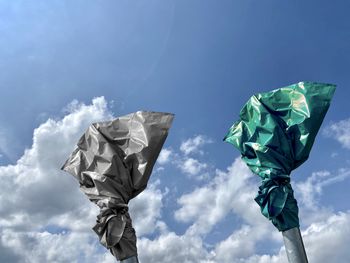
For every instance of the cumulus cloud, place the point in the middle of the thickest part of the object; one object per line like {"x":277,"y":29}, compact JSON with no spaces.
{"x":42,"y":191}
{"x":192,"y":166}
{"x":231,"y":190}
{"x":339,"y":131}
{"x":240,"y":245}
{"x":309,"y":193}
{"x":193,"y":145}
{"x":170,"y":247}
{"x":311,"y":188}
{"x":164,"y":156}
{"x":145,"y":209}
{"x":45,"y":218}
{"x":36,"y":196}
{"x":33,"y":247}
{"x":325,"y":241}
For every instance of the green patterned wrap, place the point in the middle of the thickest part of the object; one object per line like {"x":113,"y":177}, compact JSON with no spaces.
{"x":275,"y":134}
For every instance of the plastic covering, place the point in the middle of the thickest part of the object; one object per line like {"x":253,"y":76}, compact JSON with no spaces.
{"x":113,"y":162}
{"x":275,"y":134}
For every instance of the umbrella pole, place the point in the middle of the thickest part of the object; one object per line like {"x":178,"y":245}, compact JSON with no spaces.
{"x":294,"y":245}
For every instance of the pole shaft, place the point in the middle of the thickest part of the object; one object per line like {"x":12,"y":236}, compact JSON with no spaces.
{"x":294,"y":245}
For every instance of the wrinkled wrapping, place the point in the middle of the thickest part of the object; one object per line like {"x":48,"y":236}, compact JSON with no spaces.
{"x":275,"y":134}
{"x":113,"y":162}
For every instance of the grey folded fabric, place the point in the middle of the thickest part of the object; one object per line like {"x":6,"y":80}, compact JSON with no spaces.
{"x":113,"y":162}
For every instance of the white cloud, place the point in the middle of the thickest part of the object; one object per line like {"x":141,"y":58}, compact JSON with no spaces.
{"x":145,"y":210}
{"x":192,"y":166}
{"x":193,"y":145}
{"x":169,"y":248}
{"x":240,"y":245}
{"x":35,"y":195}
{"x":325,"y":241}
{"x":340,"y":131}
{"x":33,"y":247}
{"x":309,"y":191}
{"x":42,"y":191}
{"x":311,"y":188}
{"x":328,"y":241}
{"x":230,"y":191}
{"x":233,"y":191}
{"x":164,"y":156}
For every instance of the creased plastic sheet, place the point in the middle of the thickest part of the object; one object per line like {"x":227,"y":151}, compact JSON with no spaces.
{"x":113,"y":162}
{"x":275,"y":134}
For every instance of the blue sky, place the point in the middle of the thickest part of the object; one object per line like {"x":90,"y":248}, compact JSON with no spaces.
{"x":64,"y":64}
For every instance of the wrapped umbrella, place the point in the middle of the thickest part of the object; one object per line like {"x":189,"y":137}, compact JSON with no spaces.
{"x":275,"y":134}
{"x":113,"y":163}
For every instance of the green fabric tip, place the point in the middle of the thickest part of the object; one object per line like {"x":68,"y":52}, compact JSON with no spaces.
{"x":275,"y":135}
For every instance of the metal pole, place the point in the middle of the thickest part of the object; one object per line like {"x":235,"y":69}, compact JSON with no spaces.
{"x":294,"y":245}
